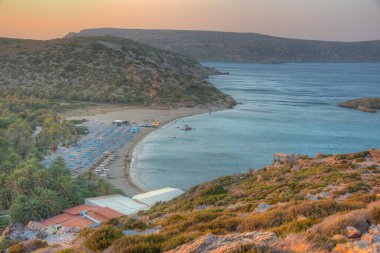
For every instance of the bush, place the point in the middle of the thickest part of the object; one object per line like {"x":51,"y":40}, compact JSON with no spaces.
{"x":5,"y":243}
{"x":17,"y":248}
{"x":213,"y":190}
{"x":335,"y":224}
{"x":82,"y":130}
{"x":103,"y":237}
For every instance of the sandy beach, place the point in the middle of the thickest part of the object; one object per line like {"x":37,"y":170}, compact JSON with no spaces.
{"x":120,"y":167}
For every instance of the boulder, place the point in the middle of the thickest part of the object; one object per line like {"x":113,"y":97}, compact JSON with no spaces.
{"x":352,"y":232}
{"x":228,"y":243}
{"x":19,"y":232}
{"x":343,"y":197}
{"x":311,"y":197}
{"x":340,"y":238}
{"x":323,"y":195}
{"x":374,"y":230}
{"x":263,"y":207}
{"x":370,"y":238}
{"x":33,"y":225}
{"x":357,"y":247}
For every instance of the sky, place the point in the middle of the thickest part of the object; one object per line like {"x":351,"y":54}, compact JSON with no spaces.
{"x":339,"y":20}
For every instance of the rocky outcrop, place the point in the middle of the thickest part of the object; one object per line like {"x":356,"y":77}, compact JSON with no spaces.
{"x":223,"y":244}
{"x":367,"y":243}
{"x":263,"y":207}
{"x":362,"y":104}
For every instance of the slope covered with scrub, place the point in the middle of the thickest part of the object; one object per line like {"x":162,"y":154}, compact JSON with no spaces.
{"x":312,"y":205}
{"x":104,"y":69}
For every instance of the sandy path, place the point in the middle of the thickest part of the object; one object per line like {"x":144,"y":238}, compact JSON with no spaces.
{"x":120,"y":168}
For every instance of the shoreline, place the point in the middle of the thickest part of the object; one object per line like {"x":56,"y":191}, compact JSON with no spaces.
{"x":121,"y":167}
{"x":128,"y":164}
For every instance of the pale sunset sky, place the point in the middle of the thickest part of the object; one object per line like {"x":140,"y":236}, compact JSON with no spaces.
{"x":341,"y":20}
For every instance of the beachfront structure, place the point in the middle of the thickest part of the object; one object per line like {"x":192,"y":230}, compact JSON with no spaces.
{"x":101,"y":209}
{"x":119,"y":122}
{"x":117,"y":202}
{"x":161,"y":195}
{"x":81,"y":216}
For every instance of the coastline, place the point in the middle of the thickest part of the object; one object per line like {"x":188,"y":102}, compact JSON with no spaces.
{"x":121,"y":167}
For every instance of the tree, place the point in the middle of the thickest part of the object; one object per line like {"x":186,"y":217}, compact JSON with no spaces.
{"x":25,"y":209}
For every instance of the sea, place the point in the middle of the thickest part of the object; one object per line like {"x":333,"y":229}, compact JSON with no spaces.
{"x":287,"y":108}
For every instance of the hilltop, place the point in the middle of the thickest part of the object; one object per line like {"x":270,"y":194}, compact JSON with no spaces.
{"x":104,"y":69}
{"x":297,"y":204}
{"x":246,"y":47}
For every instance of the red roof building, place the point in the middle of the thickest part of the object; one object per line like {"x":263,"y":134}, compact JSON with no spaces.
{"x":82,"y":216}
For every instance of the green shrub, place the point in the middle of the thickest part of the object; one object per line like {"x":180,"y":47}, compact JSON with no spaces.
{"x":103,"y":237}
{"x":213,"y":190}
{"x":17,"y":248}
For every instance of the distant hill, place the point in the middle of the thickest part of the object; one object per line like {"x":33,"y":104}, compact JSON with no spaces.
{"x":246,"y":47}
{"x":103,"y":69}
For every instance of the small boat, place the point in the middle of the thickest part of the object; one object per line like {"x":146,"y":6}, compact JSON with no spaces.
{"x":186,"y":128}
{"x":173,"y":137}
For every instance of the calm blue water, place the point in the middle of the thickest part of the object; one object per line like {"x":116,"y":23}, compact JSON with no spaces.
{"x":287,"y":108}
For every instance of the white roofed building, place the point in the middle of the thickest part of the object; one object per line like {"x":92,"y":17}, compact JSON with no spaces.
{"x":118,"y":203}
{"x":139,"y":202}
{"x":161,"y":195}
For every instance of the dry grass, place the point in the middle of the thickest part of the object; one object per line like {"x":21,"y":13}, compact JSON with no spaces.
{"x":296,"y":243}
{"x":335,"y":224}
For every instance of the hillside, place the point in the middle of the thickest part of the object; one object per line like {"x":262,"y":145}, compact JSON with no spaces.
{"x":362,"y":104}
{"x":300,"y":204}
{"x":246,"y":47}
{"x":104,"y":69}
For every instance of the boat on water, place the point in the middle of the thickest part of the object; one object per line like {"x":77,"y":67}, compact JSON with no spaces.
{"x":186,"y":128}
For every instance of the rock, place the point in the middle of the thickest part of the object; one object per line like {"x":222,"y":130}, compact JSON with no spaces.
{"x":301,"y":217}
{"x":311,"y":197}
{"x":352,"y":232}
{"x":331,"y":187}
{"x":340,"y":238}
{"x":19,"y":232}
{"x":374,"y":230}
{"x":357,"y":247}
{"x":365,"y":109}
{"x":33,"y":225}
{"x":343,"y":197}
{"x":370,"y":238}
{"x":263,"y":207}
{"x":323,"y":195}
{"x":202,"y":207}
{"x":228,"y":243}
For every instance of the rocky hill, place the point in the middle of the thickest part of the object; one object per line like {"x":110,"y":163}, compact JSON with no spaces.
{"x":362,"y":104}
{"x":104,"y":69}
{"x":330,"y":203}
{"x":246,"y":47}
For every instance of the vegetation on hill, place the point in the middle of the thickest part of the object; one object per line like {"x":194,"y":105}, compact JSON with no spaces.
{"x":246,"y":47}
{"x":362,"y":104}
{"x":28,"y":191}
{"x":104,"y":69}
{"x":310,"y":206}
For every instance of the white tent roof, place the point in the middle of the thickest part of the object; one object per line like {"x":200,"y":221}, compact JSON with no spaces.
{"x":119,"y":203}
{"x":161,"y":195}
